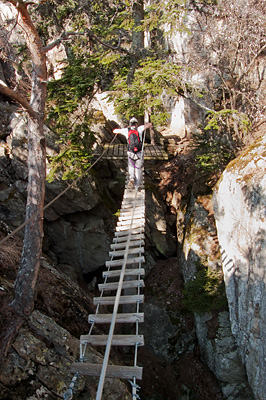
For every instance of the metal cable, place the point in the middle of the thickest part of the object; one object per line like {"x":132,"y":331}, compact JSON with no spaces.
{"x":135,"y":387}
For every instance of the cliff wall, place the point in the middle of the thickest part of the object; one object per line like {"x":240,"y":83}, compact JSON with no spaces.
{"x":239,"y":205}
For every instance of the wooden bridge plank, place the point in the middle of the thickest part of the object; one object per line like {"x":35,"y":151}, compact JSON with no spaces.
{"x":128,"y":272}
{"x":113,"y":371}
{"x":126,"y":285}
{"x":118,"y":340}
{"x":147,"y":151}
{"x":120,"y":318}
{"x":109,"y":300}
{"x":116,"y":151}
{"x":119,"y":151}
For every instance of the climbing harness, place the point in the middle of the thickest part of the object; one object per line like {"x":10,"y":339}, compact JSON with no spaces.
{"x":133,"y":164}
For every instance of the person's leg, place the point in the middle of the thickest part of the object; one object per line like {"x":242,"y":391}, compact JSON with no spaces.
{"x":131,"y":171}
{"x":138,"y":172}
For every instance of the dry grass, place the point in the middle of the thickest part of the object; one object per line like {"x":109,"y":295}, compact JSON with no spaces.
{"x":10,"y":253}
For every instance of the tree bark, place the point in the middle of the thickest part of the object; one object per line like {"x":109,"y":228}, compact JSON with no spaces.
{"x":138,"y":36}
{"x":25,"y":284}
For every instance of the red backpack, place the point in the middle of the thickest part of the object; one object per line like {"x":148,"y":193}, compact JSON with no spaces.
{"x":134,"y":142}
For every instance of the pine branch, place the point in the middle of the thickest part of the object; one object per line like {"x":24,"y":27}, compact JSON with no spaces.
{"x":66,"y":35}
{"x":62,"y":38}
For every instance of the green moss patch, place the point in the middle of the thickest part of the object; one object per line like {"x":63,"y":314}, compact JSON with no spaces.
{"x":205,"y":293}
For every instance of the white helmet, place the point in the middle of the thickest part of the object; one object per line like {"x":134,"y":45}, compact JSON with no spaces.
{"x":133,"y":121}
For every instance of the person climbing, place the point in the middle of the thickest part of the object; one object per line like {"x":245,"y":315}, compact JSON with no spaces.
{"x":134,"y":135}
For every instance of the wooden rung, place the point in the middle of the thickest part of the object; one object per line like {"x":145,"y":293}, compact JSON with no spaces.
{"x":112,"y":371}
{"x":129,"y":210}
{"x":128,"y":272}
{"x":136,"y":222}
{"x":126,"y":285}
{"x":117,"y":340}
{"x":123,"y":238}
{"x":120,"y":318}
{"x":123,"y":245}
{"x":128,"y":217}
{"x":109,"y":300}
{"x":127,"y":227}
{"x":134,"y":231}
{"x":127,"y":206}
{"x":129,"y":203}
{"x":131,"y":195}
{"x":121,"y":253}
{"x":133,"y":260}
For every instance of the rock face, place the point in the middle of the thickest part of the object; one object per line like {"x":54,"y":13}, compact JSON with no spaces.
{"x":38,"y":363}
{"x":219,"y":351}
{"x":157,"y":228}
{"x":239,"y":205}
{"x":217,"y":344}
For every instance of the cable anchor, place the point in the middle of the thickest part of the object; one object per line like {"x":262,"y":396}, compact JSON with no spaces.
{"x":68,"y":395}
{"x":137,"y":387}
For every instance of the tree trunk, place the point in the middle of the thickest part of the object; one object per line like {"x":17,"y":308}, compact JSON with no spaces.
{"x":138,"y":36}
{"x":23,"y":303}
{"x":32,"y":244}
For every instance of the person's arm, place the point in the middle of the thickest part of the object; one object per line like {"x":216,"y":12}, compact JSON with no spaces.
{"x":121,"y":131}
{"x":147,"y":125}
{"x":142,"y":128}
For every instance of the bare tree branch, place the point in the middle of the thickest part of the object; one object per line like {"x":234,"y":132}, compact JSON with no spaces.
{"x":8,"y":34}
{"x":19,"y":98}
{"x":251,"y":64}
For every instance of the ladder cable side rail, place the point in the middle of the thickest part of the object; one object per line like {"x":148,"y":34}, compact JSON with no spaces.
{"x":126,"y":252}
{"x":115,"y":310}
